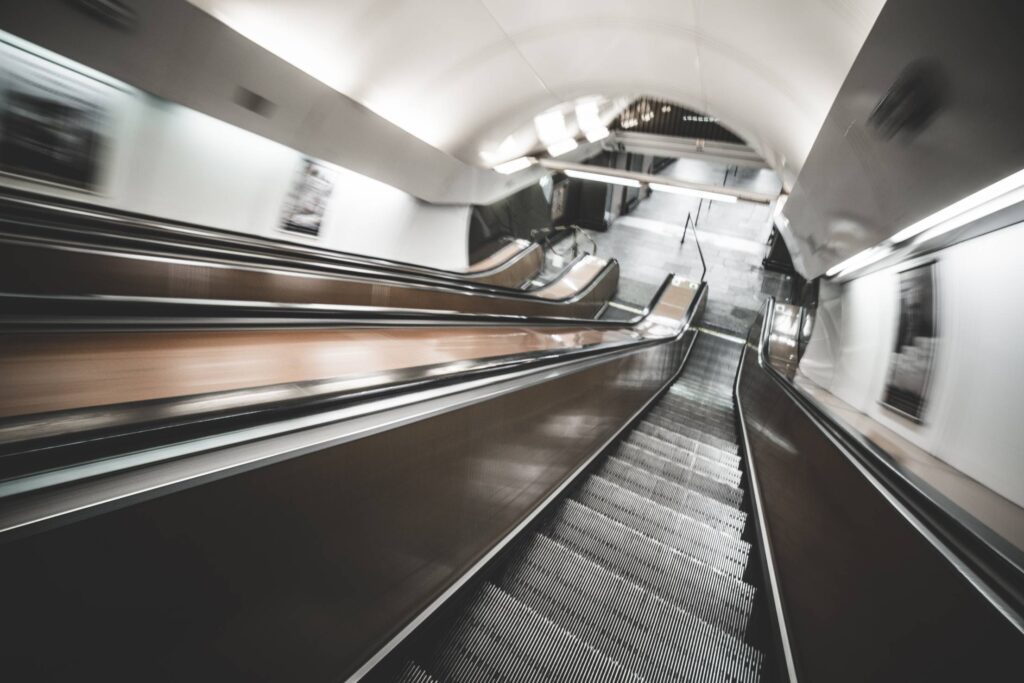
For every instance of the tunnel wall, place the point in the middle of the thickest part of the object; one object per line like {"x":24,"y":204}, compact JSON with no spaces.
{"x":166,"y":160}
{"x":972,"y":418}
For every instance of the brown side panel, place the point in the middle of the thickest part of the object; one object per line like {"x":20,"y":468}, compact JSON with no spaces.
{"x":302,"y":569}
{"x":868,"y":598}
{"x":45,"y":271}
{"x":513,"y":273}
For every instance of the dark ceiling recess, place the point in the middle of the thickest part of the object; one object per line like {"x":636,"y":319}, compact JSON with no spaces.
{"x":646,"y":115}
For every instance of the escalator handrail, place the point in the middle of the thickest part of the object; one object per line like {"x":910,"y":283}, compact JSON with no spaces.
{"x":780,"y":623}
{"x":990,"y":564}
{"x":115,"y":219}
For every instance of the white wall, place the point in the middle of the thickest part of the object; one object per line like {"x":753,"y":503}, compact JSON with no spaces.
{"x":973,"y":419}
{"x":169,"y":161}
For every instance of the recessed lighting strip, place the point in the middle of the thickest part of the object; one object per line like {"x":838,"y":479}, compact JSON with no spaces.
{"x":602,"y":178}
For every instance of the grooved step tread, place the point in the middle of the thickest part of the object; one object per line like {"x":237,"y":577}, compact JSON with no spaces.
{"x":701,"y":590}
{"x":714,"y":513}
{"x":693,"y":432}
{"x":680,"y":458}
{"x":708,"y":431}
{"x":690,"y":479}
{"x":645,"y":633}
{"x":498,"y":638}
{"x":687,"y":443}
{"x":687,"y":535}
{"x":414,"y":673}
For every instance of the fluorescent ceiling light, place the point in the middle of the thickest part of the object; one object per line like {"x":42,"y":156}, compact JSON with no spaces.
{"x":986,"y":201}
{"x":675,"y":189}
{"x":514,"y":165}
{"x":560,"y":148}
{"x":588,"y":115}
{"x":602,"y":178}
{"x":860,"y":260}
{"x":550,"y":127}
{"x":595,"y":134}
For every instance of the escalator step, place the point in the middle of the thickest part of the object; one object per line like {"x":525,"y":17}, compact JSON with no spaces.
{"x":730,"y":475}
{"x":693,"y":586}
{"x":694,"y":410}
{"x":709,"y":431}
{"x":727,"y":520}
{"x":679,"y":477}
{"x":499,"y":638}
{"x":646,"y":634}
{"x":692,"y":431}
{"x":724,"y":456}
{"x":413,"y":673}
{"x":725,"y":553}
{"x":697,"y":409}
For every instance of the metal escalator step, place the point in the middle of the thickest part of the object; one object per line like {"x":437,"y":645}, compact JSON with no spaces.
{"x":725,"y":456}
{"x":687,"y":535}
{"x":683,"y":453}
{"x":709,"y":475}
{"x":692,"y":431}
{"x":704,"y":592}
{"x":722,"y":415}
{"x":681,"y":478}
{"x":498,"y":638}
{"x":645,"y":633}
{"x":695,"y":461}
{"x":709,"y":431}
{"x":715,"y":514}
{"x":414,"y":673}
{"x":713,"y":422}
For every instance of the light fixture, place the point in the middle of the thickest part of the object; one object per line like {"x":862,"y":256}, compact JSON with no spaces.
{"x":595,"y":134}
{"x":514,"y":165}
{"x":984,"y":202}
{"x":550,"y":127}
{"x":988,"y":200}
{"x":705,"y":194}
{"x":602,"y":178}
{"x":860,"y":260}
{"x":559,"y":148}
{"x":588,"y":116}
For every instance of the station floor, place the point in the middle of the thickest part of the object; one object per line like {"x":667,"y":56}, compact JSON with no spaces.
{"x":733,"y":237}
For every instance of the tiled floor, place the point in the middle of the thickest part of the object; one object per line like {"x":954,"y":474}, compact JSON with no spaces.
{"x":732,"y":236}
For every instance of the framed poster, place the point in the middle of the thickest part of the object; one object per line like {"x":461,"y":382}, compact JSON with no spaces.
{"x":307,"y":203}
{"x":55,"y":122}
{"x":910,"y":365}
{"x":559,"y":198}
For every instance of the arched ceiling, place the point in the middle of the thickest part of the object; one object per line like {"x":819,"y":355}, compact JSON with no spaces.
{"x":462,"y":75}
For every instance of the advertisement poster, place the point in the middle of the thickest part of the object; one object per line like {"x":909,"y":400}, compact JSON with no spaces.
{"x":55,"y":123}
{"x":307,"y":203}
{"x":910,"y":366}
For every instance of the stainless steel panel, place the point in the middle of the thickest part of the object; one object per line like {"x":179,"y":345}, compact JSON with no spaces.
{"x":929,"y":113}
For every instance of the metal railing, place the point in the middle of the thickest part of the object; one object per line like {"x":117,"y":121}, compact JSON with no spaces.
{"x":690,"y":221}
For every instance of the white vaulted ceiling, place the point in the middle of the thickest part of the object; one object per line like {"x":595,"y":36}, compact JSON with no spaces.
{"x":463,"y":75}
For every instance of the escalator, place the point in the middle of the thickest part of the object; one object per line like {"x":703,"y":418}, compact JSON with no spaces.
{"x":63,"y":258}
{"x":467,"y":499}
{"x":640,"y":572}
